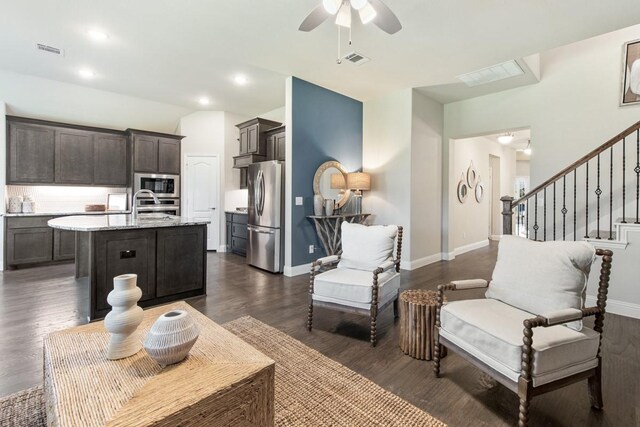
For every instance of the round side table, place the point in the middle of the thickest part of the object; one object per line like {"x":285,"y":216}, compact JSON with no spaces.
{"x":417,"y":323}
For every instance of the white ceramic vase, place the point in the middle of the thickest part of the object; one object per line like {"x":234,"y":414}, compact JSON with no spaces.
{"x":171,"y":337}
{"x":329,"y":206}
{"x":318,"y":205}
{"x":124,"y":318}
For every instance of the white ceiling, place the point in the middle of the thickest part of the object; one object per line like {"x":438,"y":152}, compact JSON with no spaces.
{"x":176,"y":51}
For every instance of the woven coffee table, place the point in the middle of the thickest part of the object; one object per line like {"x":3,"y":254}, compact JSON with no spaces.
{"x":417,"y":321}
{"x":224,"y":381}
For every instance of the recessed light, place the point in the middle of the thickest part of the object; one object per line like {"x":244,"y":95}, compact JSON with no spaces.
{"x":241,"y":80}
{"x":204,"y":101}
{"x":86,"y":73}
{"x":97,"y":35}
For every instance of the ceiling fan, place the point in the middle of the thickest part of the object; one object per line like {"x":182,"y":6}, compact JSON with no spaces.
{"x":369,"y":11}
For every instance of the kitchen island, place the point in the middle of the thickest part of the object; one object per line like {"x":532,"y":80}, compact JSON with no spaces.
{"x":168,"y":253}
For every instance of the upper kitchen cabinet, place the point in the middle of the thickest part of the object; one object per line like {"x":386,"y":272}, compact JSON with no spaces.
{"x":31,"y":152}
{"x":252,"y":136}
{"x":155,"y":152}
{"x":42,"y":152}
{"x":276,"y":144}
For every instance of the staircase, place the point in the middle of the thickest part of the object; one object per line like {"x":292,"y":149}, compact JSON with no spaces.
{"x":596,"y":199}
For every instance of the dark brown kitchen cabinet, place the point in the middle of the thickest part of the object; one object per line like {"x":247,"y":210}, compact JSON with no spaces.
{"x":31,"y":152}
{"x":124,"y":252}
{"x":276,"y":144}
{"x":29,"y":245}
{"x":110,"y":160}
{"x":43,"y":152}
{"x":180,"y":258}
{"x":74,"y":157}
{"x":237,"y":233}
{"x":64,"y":245}
{"x":252,"y":145}
{"x":156,"y":153}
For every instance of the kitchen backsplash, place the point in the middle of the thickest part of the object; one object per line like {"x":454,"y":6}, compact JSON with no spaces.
{"x":61,"y":199}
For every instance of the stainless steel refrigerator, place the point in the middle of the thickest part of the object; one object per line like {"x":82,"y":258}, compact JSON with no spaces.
{"x":266,"y":215}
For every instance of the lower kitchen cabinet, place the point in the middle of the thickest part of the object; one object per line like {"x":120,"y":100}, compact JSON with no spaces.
{"x":31,"y":241}
{"x":237,"y":233}
{"x":180,"y":258}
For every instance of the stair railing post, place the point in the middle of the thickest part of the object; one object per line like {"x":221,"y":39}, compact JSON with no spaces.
{"x":507,"y":214}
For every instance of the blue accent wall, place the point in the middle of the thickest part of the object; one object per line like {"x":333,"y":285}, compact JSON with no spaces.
{"x":325,"y":126}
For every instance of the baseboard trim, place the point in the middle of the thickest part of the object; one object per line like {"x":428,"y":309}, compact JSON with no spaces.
{"x":496,"y":237}
{"x":223,"y":248}
{"x":621,"y":308}
{"x":296,"y":270}
{"x":421,"y":262}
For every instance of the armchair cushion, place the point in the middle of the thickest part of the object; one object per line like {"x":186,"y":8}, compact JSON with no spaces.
{"x":491,"y":331}
{"x":366,"y":247}
{"x":541,"y":277}
{"x":347,"y":286}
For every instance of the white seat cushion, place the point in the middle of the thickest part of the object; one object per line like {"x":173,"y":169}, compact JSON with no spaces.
{"x":542,"y":277}
{"x":366,"y":247}
{"x":351,"y":287}
{"x":491,"y":331}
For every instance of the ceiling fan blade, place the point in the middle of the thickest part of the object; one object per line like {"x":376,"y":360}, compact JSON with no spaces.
{"x":315,"y":18}
{"x":386,"y":20}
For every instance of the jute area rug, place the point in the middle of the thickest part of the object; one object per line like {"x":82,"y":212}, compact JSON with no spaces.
{"x":311,"y":389}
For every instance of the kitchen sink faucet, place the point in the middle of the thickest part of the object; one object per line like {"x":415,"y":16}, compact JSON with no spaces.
{"x":134,"y":207}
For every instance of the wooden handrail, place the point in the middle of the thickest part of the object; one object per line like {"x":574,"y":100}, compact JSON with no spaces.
{"x":610,"y":143}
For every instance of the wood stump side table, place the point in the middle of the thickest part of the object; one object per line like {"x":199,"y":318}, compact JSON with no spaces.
{"x":417,"y":324}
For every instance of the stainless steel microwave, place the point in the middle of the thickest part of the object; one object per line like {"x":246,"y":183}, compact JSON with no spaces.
{"x":161,"y":185}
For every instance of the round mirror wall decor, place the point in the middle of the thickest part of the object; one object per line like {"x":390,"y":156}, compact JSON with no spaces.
{"x":479,"y":192}
{"x":330,"y":182}
{"x":472,"y":175}
{"x":463,"y":190}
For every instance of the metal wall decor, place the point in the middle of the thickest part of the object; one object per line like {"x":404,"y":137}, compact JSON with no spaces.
{"x":470,"y":181}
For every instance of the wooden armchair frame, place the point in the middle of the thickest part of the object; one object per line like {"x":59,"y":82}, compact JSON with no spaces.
{"x":329,"y":263}
{"x":524,"y":386}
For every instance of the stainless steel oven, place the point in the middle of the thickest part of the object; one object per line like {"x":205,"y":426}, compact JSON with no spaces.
{"x":166,"y":206}
{"x":162,"y":185}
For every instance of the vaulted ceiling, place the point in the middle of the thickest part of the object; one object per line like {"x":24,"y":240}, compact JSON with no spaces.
{"x":177,"y":51}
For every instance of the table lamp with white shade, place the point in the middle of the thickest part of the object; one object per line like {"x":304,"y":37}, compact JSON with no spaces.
{"x":358,"y":182}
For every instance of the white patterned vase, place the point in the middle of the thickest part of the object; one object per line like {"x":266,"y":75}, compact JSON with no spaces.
{"x":329,"y":205}
{"x":318,"y":205}
{"x":171,"y":337}
{"x":124,"y":318}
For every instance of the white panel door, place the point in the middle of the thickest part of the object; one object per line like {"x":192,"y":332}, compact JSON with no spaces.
{"x":202,"y":190}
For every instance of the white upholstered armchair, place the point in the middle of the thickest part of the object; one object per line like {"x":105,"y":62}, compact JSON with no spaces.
{"x":528,"y":332}
{"x":364,"y":279}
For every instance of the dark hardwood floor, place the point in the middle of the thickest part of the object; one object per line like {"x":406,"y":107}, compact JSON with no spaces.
{"x":36,"y":301}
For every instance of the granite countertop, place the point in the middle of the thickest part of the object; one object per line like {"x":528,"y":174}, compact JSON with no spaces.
{"x":238,"y":212}
{"x":66,"y":213}
{"x":120,"y":222}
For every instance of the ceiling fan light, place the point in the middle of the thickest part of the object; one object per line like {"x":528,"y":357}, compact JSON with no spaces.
{"x":344,"y":16}
{"x":332,"y":6}
{"x":367,"y":13}
{"x":505,"y":139}
{"x":358,"y":4}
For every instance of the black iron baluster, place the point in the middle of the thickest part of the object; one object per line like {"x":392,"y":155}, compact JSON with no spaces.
{"x":586,"y":203}
{"x":554,"y":210}
{"x":637,"y":171}
{"x":575,"y":210}
{"x":611,"y":194}
{"x":564,"y":207}
{"x":598,"y":193}
{"x":624,"y":179}
{"x":544,"y":212}
{"x":535,"y":218}
{"x":527,"y":218}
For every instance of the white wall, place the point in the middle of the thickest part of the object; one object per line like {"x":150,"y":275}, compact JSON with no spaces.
{"x":426,"y":179}
{"x":52,"y":100}
{"x":3,"y":176}
{"x":234,"y":196}
{"x":401,"y":151}
{"x":573,"y":109}
{"x":523,"y":168}
{"x":470,"y":227}
{"x":277,"y":115}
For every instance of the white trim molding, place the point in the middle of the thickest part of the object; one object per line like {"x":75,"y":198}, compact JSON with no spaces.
{"x":420,"y":262}
{"x":297,"y":270}
{"x":464,"y":249}
{"x":496,"y":237}
{"x":621,"y":308}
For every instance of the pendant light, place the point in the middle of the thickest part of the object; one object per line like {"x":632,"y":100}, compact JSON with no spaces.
{"x":506,"y":138}
{"x":527,"y":150}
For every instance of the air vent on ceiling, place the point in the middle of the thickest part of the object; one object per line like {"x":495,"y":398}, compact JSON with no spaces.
{"x":492,"y":74}
{"x":46,"y":48}
{"x":356,"y":58}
